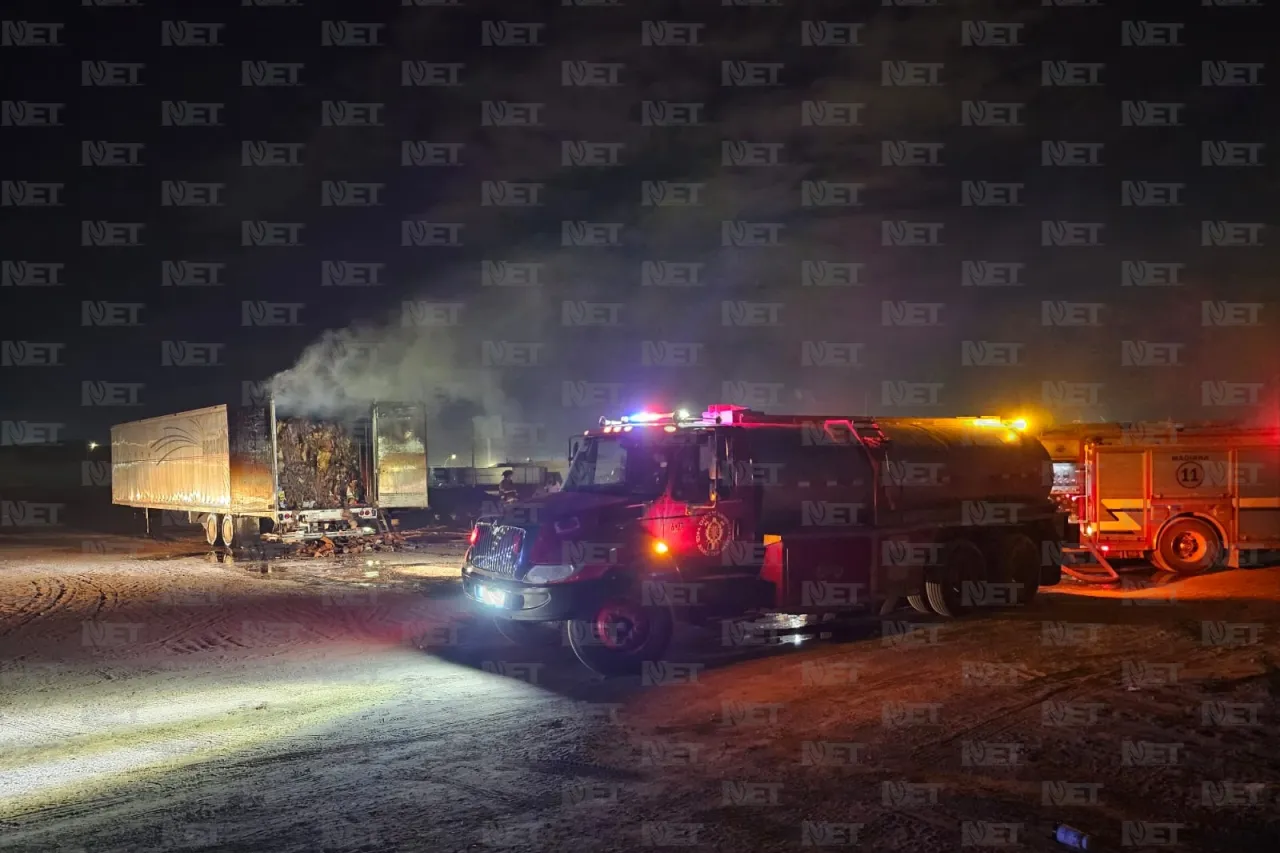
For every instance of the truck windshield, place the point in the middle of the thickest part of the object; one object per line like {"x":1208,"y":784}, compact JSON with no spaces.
{"x":609,"y":465}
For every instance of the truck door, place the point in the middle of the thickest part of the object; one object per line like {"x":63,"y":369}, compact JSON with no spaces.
{"x":400,"y":456}
{"x":713,"y":536}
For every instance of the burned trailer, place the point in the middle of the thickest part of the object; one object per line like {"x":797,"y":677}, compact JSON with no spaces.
{"x":250,"y":471}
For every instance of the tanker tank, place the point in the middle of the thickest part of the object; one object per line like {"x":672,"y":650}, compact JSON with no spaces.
{"x":950,"y":463}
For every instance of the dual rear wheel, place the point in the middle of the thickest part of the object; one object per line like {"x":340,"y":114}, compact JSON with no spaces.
{"x":228,"y":530}
{"x":1006,"y":573}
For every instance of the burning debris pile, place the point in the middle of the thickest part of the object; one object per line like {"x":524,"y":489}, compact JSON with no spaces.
{"x":319,"y":464}
{"x":381,"y":543}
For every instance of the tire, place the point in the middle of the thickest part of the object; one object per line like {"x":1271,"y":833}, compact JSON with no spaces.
{"x":642,"y":636}
{"x":229,"y":530}
{"x":1188,"y":546}
{"x":919,"y":604}
{"x":537,"y":635}
{"x":212,"y":533}
{"x":944,"y":587}
{"x":1017,"y":561}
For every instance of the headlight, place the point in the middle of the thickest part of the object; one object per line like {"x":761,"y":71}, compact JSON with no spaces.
{"x":549,"y":573}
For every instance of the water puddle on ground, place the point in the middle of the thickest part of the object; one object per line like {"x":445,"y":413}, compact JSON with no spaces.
{"x":186,"y":555}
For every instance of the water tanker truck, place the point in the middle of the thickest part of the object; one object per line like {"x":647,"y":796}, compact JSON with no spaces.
{"x":736,"y":513}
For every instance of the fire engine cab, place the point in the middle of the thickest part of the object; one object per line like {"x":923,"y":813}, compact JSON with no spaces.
{"x":668,"y":515}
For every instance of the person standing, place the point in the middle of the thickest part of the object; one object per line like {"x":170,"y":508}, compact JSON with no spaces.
{"x":507,"y":488}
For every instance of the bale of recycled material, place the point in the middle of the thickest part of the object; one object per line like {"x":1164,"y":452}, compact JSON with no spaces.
{"x":319,"y":464}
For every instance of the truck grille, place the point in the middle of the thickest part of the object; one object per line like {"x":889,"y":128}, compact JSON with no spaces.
{"x":497,"y":548}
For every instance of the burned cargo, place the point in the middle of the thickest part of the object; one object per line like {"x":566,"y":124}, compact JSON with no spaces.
{"x":320,"y":464}
{"x":231,"y":468}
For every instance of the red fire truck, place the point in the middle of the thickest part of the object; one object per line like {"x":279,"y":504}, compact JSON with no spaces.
{"x":1186,"y":497}
{"x":736,"y":512}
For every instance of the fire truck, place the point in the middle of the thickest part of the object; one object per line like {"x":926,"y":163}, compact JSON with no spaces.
{"x":1186,"y":497}
{"x":736,"y":514}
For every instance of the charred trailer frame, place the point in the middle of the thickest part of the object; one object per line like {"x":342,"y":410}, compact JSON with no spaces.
{"x":221,"y":466}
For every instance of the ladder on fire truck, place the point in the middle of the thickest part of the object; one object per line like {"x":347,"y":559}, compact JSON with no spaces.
{"x":1088,"y":564}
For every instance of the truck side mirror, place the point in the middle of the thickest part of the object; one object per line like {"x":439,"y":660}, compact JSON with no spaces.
{"x":573,"y":448}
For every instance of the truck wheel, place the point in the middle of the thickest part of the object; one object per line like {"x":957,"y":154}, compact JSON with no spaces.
{"x":229,"y":530}
{"x":1017,"y":561}
{"x":1187,"y":546}
{"x":211,"y":531}
{"x":623,"y":635}
{"x":919,"y":604}
{"x":945,"y":586}
{"x":537,"y":635}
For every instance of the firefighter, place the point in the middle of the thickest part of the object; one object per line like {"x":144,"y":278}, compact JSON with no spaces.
{"x":507,"y":488}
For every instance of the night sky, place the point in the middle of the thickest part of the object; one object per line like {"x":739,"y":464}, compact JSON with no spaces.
{"x":901,"y":207}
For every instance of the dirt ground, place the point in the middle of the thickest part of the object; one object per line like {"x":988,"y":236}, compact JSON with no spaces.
{"x":156,"y":697}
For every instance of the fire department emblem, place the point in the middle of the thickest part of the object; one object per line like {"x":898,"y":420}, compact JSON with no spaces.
{"x":713,"y":532}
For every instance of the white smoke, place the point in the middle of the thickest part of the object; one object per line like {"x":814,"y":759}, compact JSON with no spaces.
{"x":346,"y":370}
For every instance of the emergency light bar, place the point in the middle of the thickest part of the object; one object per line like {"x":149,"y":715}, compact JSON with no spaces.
{"x":642,"y":418}
{"x":714,"y":414}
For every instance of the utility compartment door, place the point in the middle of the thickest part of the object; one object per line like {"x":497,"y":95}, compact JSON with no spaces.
{"x":400,"y":455}
{"x":1258,"y":483}
{"x":1121,"y":492}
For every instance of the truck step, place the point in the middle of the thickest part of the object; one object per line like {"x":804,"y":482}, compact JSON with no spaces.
{"x":1087,"y":564}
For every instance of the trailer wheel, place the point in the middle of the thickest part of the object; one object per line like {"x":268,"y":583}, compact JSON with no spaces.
{"x":1017,"y":561}
{"x":919,"y":604}
{"x":229,"y":530}
{"x":211,"y":528}
{"x":945,"y":587}
{"x":1187,"y":546}
{"x":622,"y":636}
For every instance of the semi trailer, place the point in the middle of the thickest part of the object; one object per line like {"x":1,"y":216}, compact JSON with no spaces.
{"x":738,"y":513}
{"x":248,"y":471}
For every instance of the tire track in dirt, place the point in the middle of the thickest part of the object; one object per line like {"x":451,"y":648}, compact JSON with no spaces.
{"x":12,"y":608}
{"x":104,"y":597}
{"x":50,"y":595}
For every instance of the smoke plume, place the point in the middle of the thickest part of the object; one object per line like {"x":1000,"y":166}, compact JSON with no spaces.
{"x":346,"y":370}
